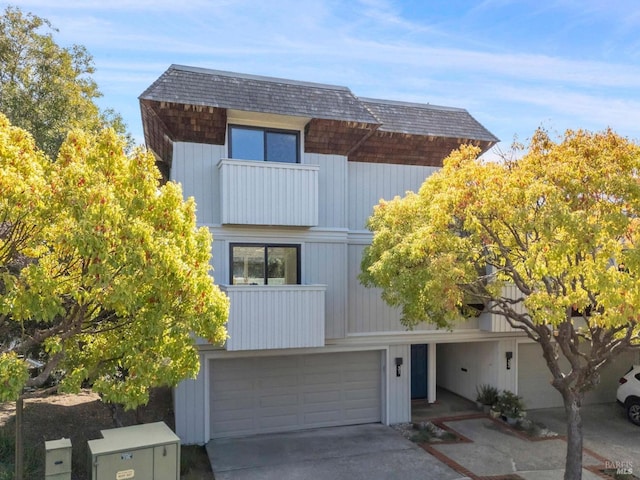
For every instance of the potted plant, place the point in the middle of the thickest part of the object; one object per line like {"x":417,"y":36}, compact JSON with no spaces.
{"x":510,"y":406}
{"x":487,"y":396}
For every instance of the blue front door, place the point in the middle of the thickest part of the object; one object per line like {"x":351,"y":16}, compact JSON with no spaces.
{"x":418,"y":371}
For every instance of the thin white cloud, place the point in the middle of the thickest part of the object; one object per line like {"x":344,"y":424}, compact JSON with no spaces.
{"x":524,"y":67}
{"x":319,"y":44}
{"x":376,"y":49}
{"x":123,"y":5}
{"x":601,"y":111}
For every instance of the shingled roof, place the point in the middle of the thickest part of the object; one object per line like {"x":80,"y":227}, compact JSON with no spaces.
{"x":214,"y":88}
{"x":190,"y":104}
{"x":426,"y":119}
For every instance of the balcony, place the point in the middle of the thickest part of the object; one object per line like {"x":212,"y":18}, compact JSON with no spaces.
{"x":268,"y":193}
{"x":263,"y":317}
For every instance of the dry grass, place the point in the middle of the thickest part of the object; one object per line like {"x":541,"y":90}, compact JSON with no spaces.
{"x":81,"y":417}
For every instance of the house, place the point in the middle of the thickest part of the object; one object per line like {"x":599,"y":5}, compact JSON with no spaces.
{"x":285,"y":175}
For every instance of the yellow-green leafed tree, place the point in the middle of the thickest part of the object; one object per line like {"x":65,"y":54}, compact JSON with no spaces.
{"x":45,"y":88}
{"x":560,"y":223}
{"x":104,"y":277}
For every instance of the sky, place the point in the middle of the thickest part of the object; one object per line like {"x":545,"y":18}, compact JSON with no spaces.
{"x":514,"y":65}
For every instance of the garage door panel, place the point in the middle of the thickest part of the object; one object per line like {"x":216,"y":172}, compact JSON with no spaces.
{"x":235,"y":385}
{"x":361,"y":384}
{"x":320,"y":379}
{"x":318,"y":362}
{"x":231,"y":404}
{"x":267,"y":372}
{"x":358,"y":415}
{"x":281,"y":362}
{"x":357,"y":377}
{"x":323,"y":387}
{"x":605,"y":391}
{"x":273,"y":422}
{"x":321,"y":401}
{"x":321,"y":396}
{"x":362,"y":393}
{"x":333,"y":411}
{"x":363,"y":402}
{"x":335,"y":407}
{"x":534,"y":379}
{"x":278,"y":411}
{"x":284,"y":400}
{"x":236,"y":415}
{"x":279,"y":381}
{"x":234,"y":369}
{"x":322,"y":419}
{"x":235,"y":427}
{"x":260,"y":395}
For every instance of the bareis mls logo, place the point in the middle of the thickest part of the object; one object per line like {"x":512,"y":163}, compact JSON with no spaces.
{"x":621,"y":468}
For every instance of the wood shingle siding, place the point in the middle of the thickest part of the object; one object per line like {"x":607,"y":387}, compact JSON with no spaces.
{"x":188,"y":104}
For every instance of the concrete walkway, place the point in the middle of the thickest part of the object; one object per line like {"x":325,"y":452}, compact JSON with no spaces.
{"x":493,"y":449}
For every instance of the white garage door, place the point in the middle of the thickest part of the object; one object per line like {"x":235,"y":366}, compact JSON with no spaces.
{"x":534,"y":379}
{"x":283,"y":393}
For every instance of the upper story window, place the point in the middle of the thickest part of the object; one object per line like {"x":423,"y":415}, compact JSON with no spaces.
{"x":265,"y":144}
{"x":265,"y":264}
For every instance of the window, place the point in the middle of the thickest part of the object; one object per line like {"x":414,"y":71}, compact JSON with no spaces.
{"x":270,"y":145}
{"x":265,"y":264}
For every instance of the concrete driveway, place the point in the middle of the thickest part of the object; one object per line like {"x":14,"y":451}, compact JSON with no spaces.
{"x":375,"y":452}
{"x":362,"y":452}
{"x":606,"y":431}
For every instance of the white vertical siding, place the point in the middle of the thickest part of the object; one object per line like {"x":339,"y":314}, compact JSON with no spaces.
{"x":332,"y":189}
{"x":367,"y":311}
{"x":463,"y":366}
{"x":194,"y":166}
{"x":220,"y":261}
{"x":498,"y":323}
{"x":268,"y":193}
{"x":432,"y":372}
{"x":399,"y":388}
{"x":369,"y":182}
{"x":324,"y":263}
{"x":507,"y":379}
{"x":270,"y":317}
{"x":189,"y":408}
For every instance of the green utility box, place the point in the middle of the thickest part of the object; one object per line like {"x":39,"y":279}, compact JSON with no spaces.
{"x":57,"y":459}
{"x":140,"y":452}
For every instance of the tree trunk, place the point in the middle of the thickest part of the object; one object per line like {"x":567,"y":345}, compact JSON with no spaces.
{"x":573,"y":463}
{"x":116,"y":414}
{"x":19,"y":456}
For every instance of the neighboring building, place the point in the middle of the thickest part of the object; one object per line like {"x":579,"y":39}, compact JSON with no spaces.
{"x":285,"y":175}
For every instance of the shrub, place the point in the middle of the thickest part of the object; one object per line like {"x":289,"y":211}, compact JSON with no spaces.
{"x":33,"y":463}
{"x":510,"y":405}
{"x":487,"y":394}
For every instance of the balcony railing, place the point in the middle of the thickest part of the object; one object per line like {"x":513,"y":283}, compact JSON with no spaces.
{"x":275,"y":316}
{"x":268,"y":193}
